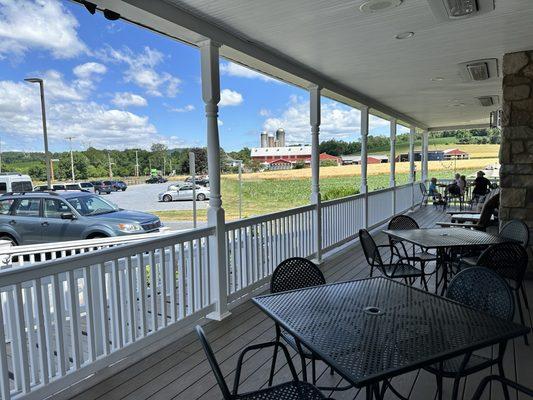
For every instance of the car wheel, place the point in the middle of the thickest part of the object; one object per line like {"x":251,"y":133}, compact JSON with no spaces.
{"x":124,"y":189}
{"x":98,"y":192}
{"x":9,"y":239}
{"x":200,"y":197}
{"x":167,"y":198}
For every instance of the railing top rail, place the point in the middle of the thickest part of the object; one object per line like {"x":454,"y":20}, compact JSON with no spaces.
{"x":16,"y":274}
{"x":80,"y":244}
{"x":267,"y":217}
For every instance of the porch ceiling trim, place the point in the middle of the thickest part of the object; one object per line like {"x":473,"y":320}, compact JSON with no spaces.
{"x":184,"y":26}
{"x":456,"y":127}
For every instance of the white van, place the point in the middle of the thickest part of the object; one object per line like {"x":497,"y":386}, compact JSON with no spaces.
{"x":13,"y":182}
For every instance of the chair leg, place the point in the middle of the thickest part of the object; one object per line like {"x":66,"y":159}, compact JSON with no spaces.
{"x":524,"y":295}
{"x":273,"y":366}
{"x":521,"y":313}
{"x":304,"y":368}
{"x":502,"y":374}
{"x":423,"y":277}
{"x":331,"y":371}
{"x":439,"y":386}
{"x":313,"y":371}
{"x":455,"y":392}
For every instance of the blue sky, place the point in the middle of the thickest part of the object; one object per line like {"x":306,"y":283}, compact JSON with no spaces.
{"x":110,"y":84}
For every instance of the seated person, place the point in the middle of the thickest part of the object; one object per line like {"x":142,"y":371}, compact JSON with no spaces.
{"x":462,"y":184}
{"x":454,"y":188}
{"x":481,"y":185}
{"x":433,"y":192}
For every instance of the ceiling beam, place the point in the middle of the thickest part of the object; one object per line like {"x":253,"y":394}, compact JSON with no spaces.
{"x":171,"y":20}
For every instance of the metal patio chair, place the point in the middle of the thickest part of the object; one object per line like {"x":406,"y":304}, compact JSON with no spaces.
{"x":504,"y":382}
{"x":293,"y":390}
{"x":484,"y":290}
{"x":509,"y":260}
{"x":295,"y":273}
{"x":398,"y":269}
{"x":400,"y":250}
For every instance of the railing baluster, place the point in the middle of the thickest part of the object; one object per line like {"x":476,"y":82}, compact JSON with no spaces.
{"x":181,"y":284}
{"x":142,"y":294}
{"x":153,"y":290}
{"x":77,"y":352}
{"x":89,"y":307}
{"x":163,"y":276}
{"x":190,"y":281}
{"x":172,"y":282}
{"x":104,"y":319}
{"x":4,"y":374}
{"x":30,"y":328}
{"x":58,"y":324}
{"x":131,"y":300}
{"x":116,"y":310}
{"x":41,"y":337}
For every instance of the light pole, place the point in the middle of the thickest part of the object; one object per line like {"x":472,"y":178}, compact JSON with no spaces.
{"x":240,"y":188}
{"x":45,"y":133}
{"x":52,"y":161}
{"x":110,"y":164}
{"x":71,"y":159}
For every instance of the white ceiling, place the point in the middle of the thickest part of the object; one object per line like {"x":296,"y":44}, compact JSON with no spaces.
{"x":333,"y":39}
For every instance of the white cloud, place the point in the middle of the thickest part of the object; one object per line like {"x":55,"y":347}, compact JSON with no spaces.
{"x":230,"y":98}
{"x":127,"y":99}
{"x":87,"y":70}
{"x":88,"y":121}
{"x":220,"y":122}
{"x":265,"y":112}
{"x":187,"y":108}
{"x":338,"y":121}
{"x":232,"y":69}
{"x":141,"y":70}
{"x":42,"y":25}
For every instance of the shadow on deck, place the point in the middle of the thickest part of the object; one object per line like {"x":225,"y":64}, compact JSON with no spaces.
{"x":180,"y":370}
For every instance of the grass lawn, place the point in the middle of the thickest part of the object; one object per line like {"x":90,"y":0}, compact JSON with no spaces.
{"x":262,"y":196}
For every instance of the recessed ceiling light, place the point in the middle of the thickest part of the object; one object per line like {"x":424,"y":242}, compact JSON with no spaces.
{"x":437,"y":79}
{"x":404,"y":35}
{"x":374,"y":6}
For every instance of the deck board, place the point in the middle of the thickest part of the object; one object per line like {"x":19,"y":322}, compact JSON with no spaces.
{"x":180,"y":370}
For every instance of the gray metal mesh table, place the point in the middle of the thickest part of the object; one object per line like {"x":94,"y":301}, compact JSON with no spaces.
{"x":446,"y":241}
{"x":374,"y":329}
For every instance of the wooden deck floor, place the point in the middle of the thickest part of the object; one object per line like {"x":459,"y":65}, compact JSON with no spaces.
{"x":180,"y":370}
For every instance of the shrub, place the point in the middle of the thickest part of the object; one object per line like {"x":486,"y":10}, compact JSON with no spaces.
{"x":328,"y":163}
{"x":299,"y":165}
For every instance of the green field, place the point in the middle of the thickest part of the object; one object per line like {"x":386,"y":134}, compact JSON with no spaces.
{"x":267,"y":196}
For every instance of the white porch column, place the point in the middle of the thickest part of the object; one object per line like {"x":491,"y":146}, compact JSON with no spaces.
{"x":425,"y":146}
{"x":364,"y":162}
{"x":412,"y":133}
{"x":392,"y":163}
{"x":314,"y":92}
{"x":215,"y":212}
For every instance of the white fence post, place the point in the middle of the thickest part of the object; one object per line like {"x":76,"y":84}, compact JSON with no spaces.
{"x":412,"y":164}
{"x":209,"y":51}
{"x":392,"y":162}
{"x":314,"y":92}
{"x":364,"y":163}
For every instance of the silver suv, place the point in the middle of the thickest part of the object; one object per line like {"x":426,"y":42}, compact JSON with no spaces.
{"x":42,"y":217}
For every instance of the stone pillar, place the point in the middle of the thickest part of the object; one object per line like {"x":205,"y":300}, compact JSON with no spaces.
{"x":516,"y":152}
{"x":314,"y":92}
{"x":209,"y":51}
{"x":364,"y":162}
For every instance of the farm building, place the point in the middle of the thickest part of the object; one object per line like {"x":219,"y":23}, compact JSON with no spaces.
{"x":436,"y":155}
{"x":289,"y":153}
{"x":371,"y":159}
{"x":279,"y":164}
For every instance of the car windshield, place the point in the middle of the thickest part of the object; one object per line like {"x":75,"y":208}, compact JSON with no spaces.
{"x":92,"y":205}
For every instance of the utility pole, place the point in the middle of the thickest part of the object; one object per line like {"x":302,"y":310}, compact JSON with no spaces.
{"x":0,"y":156}
{"x":110,"y":163}
{"x":164,"y":165}
{"x":71,"y":159}
{"x":136,"y":163}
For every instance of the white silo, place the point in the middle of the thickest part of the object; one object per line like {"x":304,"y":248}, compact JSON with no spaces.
{"x":280,"y":137}
{"x":264,"y":139}
{"x":271,"y":141}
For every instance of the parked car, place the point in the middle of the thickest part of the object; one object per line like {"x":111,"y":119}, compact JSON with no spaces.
{"x":73,"y":186}
{"x":87,"y":185}
{"x":156,"y":179}
{"x":120,"y":185}
{"x":13,"y":182}
{"x":103,"y":187}
{"x":41,"y":217}
{"x":200,"y":180}
{"x":55,"y":186}
{"x":184,"y":192}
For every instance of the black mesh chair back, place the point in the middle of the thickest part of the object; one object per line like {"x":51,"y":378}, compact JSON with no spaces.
{"x":484,"y":290}
{"x":402,"y":222}
{"x":516,"y":230}
{"x":295,"y":273}
{"x":509,"y":260}
{"x":423,"y":189}
{"x":372,"y":255}
{"x":214,"y":364}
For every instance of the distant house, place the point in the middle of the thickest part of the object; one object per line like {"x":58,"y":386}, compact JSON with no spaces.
{"x":436,"y":155}
{"x":326,"y":156}
{"x":371,"y":159}
{"x":456,"y":153}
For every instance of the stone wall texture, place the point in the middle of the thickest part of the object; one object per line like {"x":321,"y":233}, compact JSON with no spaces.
{"x":516,"y":152}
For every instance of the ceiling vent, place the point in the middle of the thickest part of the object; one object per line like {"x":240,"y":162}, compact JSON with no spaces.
{"x":479,"y":70}
{"x":446,"y":10}
{"x":375,"y":6}
{"x":488,"y":101}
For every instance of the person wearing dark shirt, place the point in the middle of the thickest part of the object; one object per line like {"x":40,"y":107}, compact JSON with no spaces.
{"x":481,"y":184}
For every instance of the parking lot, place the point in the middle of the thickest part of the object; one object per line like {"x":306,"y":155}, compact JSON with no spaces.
{"x":144,"y":197}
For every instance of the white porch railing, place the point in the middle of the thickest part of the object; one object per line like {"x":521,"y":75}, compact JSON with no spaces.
{"x":64,"y":319}
{"x":255,"y":246}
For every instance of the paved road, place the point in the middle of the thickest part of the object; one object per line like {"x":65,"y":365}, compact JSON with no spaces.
{"x":144,"y":198}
